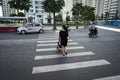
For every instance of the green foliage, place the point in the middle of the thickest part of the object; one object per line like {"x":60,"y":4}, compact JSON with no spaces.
{"x":53,"y":6}
{"x":68,"y":18}
{"x":12,"y":15}
{"x":20,"y":4}
{"x":116,"y":15}
{"x":26,"y":4}
{"x":58,"y":17}
{"x":77,"y":9}
{"x":88,"y":13}
{"x":0,"y":2}
{"x":81,"y":12}
{"x":21,"y":14}
{"x":106,"y":15}
{"x":84,"y":12}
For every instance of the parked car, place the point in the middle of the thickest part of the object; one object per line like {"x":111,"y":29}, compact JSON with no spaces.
{"x":30,"y":27}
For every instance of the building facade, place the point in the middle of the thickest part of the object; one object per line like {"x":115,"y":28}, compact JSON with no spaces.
{"x":6,"y":10}
{"x":99,"y":8}
{"x":119,"y":8}
{"x":38,"y":13}
{"x":97,"y":4}
{"x":66,"y":11}
{"x":112,"y":7}
{"x":77,"y":1}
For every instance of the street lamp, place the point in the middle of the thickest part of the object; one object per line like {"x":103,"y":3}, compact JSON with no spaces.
{"x":34,"y":17}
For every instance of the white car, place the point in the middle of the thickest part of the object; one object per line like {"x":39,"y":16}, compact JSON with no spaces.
{"x":30,"y":27}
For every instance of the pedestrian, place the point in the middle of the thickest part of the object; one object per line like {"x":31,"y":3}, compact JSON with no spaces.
{"x":63,"y":37}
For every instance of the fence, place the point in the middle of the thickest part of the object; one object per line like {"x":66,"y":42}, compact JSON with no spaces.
{"x":109,"y":22}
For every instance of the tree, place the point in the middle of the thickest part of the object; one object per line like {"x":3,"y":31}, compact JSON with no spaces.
{"x":20,"y":4}
{"x":88,"y":14}
{"x":116,"y":15}
{"x":67,"y":19}
{"x":53,"y":6}
{"x":12,"y":15}
{"x":106,"y":15}
{"x":58,"y":17}
{"x":21,"y":14}
{"x":26,"y":4}
{"x":76,"y":11}
{"x":102,"y":16}
{"x":0,"y":2}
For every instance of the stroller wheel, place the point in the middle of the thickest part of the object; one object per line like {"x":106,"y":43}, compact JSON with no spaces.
{"x":90,"y":35}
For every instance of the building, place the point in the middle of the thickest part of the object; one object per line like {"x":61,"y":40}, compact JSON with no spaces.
{"x":99,"y":8}
{"x":112,"y":7}
{"x":77,"y":1}
{"x":37,"y":12}
{"x":97,"y":4}
{"x":66,"y":11}
{"x":119,"y":8}
{"x":1,"y":11}
{"x":6,"y":10}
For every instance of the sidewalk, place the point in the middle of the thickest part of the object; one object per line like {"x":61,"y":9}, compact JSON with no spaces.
{"x":13,"y":28}
{"x":59,"y":27}
{"x":111,"y":28}
{"x":9,"y":27}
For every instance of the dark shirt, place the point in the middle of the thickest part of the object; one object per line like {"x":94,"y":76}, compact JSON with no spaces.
{"x":63,"y":34}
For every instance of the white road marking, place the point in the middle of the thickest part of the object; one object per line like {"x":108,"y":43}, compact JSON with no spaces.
{"x":109,"y":78}
{"x":49,"y":38}
{"x":60,"y":55}
{"x":50,"y":41}
{"x":55,"y":44}
{"x":54,"y":36}
{"x":52,"y":49}
{"x":68,"y":66}
{"x":111,"y":29}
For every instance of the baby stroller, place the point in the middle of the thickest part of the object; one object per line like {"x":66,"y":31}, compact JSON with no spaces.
{"x":93,"y":33}
{"x":58,"y":46}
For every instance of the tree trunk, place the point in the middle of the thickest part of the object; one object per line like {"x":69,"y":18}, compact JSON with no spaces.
{"x":54,"y":26}
{"x":77,"y":21}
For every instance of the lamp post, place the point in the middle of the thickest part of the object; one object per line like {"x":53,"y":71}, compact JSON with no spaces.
{"x":34,"y":17}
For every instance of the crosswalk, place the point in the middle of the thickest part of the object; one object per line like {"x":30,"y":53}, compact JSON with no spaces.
{"x":49,"y":43}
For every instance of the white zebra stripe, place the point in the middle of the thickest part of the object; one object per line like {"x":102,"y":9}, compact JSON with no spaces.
{"x":60,"y":55}
{"x":55,"y":44}
{"x":68,"y":66}
{"x":50,"y":41}
{"x":52,"y":49}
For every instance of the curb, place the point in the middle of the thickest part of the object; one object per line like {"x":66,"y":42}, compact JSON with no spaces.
{"x":8,"y":29}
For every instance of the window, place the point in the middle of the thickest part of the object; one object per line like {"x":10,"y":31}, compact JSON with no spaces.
{"x":36,"y":2}
{"x":36,"y":7}
{"x":37,"y":24}
{"x":37,"y":11}
{"x":31,"y":10}
{"x":29,"y":25}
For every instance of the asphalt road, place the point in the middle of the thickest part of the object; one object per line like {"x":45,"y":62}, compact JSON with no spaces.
{"x":25,"y":57}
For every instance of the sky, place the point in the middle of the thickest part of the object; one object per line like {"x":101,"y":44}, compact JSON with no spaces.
{"x":0,"y":11}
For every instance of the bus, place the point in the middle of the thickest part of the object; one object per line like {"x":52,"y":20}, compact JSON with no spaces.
{"x":13,"y":20}
{"x":11,"y":23}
